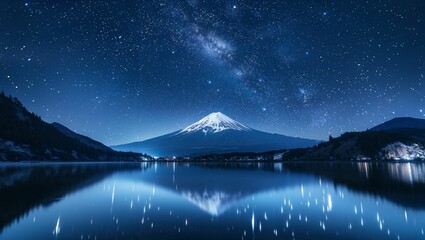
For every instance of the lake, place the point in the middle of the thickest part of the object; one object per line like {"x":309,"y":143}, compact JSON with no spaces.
{"x":212,"y":201}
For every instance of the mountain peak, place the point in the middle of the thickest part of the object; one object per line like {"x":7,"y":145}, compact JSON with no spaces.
{"x":215,"y":122}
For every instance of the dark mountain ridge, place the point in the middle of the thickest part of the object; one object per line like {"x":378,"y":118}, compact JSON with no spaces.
{"x":81,"y":138}
{"x":25,"y":136}
{"x":401,"y":123}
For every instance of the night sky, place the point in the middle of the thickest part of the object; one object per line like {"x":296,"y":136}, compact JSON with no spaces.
{"x":128,"y":70}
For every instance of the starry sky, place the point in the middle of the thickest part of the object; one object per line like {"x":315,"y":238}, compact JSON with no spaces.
{"x":127,"y":70}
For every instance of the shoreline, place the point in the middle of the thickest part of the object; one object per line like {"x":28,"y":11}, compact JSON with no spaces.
{"x":204,"y":162}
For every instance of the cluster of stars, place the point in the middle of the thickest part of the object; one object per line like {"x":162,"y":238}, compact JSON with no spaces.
{"x":299,"y":68}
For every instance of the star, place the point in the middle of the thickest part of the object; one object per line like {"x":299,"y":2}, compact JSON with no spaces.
{"x":268,"y":63}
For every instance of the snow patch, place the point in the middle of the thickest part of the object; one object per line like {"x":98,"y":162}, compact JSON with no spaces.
{"x":401,"y":151}
{"x":278,"y":156}
{"x":214,"y":123}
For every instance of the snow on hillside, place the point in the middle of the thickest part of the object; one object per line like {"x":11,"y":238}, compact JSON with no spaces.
{"x":213,"y":123}
{"x":401,"y":151}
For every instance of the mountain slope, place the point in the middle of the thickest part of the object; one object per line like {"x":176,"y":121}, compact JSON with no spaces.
{"x":401,"y":123}
{"x":368,"y":145}
{"x":413,"y":127}
{"x":215,"y":133}
{"x":392,"y":144}
{"x":24,"y":136}
{"x":81,"y":138}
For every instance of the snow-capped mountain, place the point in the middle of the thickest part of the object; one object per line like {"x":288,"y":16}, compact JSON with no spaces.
{"x":215,"y":133}
{"x":214,"y":123}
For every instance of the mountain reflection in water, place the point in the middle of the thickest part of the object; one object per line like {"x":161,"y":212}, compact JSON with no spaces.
{"x":192,"y":201}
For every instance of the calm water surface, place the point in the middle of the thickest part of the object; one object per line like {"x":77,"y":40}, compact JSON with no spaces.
{"x":215,"y":201}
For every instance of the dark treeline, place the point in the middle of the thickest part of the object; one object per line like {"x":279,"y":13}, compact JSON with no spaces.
{"x":45,"y":142}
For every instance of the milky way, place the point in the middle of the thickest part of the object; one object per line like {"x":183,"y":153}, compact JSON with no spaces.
{"x":122,"y":71}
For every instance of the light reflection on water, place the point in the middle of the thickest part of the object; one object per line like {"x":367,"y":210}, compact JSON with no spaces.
{"x":187,"y":201}
{"x":406,"y":172}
